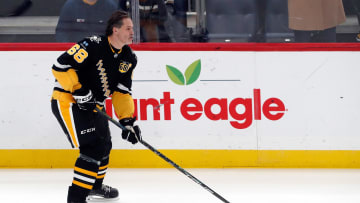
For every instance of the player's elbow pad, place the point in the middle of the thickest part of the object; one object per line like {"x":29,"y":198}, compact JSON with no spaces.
{"x":123,"y":104}
{"x":68,"y":80}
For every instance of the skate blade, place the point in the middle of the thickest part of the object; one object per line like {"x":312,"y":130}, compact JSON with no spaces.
{"x":94,"y":198}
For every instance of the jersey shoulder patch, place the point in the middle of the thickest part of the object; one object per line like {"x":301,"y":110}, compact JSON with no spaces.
{"x":89,"y":42}
{"x":95,"y":39}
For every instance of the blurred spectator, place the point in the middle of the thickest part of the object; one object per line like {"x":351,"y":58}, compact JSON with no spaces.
{"x":79,"y":18}
{"x":178,"y":21}
{"x":10,"y":8}
{"x":315,"y":20}
{"x":153,"y":15}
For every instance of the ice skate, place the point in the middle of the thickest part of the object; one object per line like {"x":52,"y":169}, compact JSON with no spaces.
{"x":105,"y":193}
{"x":73,"y":196}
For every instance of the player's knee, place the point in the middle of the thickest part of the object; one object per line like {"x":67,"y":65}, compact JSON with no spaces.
{"x":89,"y":159}
{"x":97,"y":150}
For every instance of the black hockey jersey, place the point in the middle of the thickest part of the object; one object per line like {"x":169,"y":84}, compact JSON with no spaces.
{"x":98,"y":66}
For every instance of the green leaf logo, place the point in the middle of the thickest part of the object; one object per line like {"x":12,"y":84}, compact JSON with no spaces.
{"x":175,"y":75}
{"x":192,"y":73}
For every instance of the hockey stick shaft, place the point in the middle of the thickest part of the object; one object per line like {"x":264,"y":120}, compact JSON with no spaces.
{"x":166,"y":159}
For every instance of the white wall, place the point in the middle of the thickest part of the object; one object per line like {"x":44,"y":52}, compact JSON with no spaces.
{"x":319,"y":91}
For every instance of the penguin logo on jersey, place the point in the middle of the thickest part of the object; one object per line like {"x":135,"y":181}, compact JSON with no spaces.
{"x":95,"y":38}
{"x":124,"y":66}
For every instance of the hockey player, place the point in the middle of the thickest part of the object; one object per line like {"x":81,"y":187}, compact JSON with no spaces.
{"x":89,"y":72}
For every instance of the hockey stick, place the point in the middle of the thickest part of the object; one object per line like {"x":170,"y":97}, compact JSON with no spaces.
{"x":165,"y":158}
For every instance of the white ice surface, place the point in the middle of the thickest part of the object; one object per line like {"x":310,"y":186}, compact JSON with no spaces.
{"x":244,"y":185}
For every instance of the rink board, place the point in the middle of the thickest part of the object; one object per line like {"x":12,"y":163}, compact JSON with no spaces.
{"x":61,"y":158}
{"x":246,"y":105}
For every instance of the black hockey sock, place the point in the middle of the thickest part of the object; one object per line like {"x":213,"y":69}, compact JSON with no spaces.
{"x":85,"y":172}
{"x":101,"y":172}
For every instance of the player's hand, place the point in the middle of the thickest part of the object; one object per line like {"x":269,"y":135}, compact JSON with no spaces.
{"x":133,"y":133}
{"x":84,"y":99}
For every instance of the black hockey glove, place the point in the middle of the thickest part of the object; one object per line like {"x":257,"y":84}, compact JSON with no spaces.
{"x":84,"y":99}
{"x":133,"y":133}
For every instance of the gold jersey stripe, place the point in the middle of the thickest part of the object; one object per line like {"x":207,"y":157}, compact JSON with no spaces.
{"x":100,"y":177}
{"x":82,"y":185}
{"x":90,"y":173}
{"x":66,"y":115}
{"x":103,"y":167}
